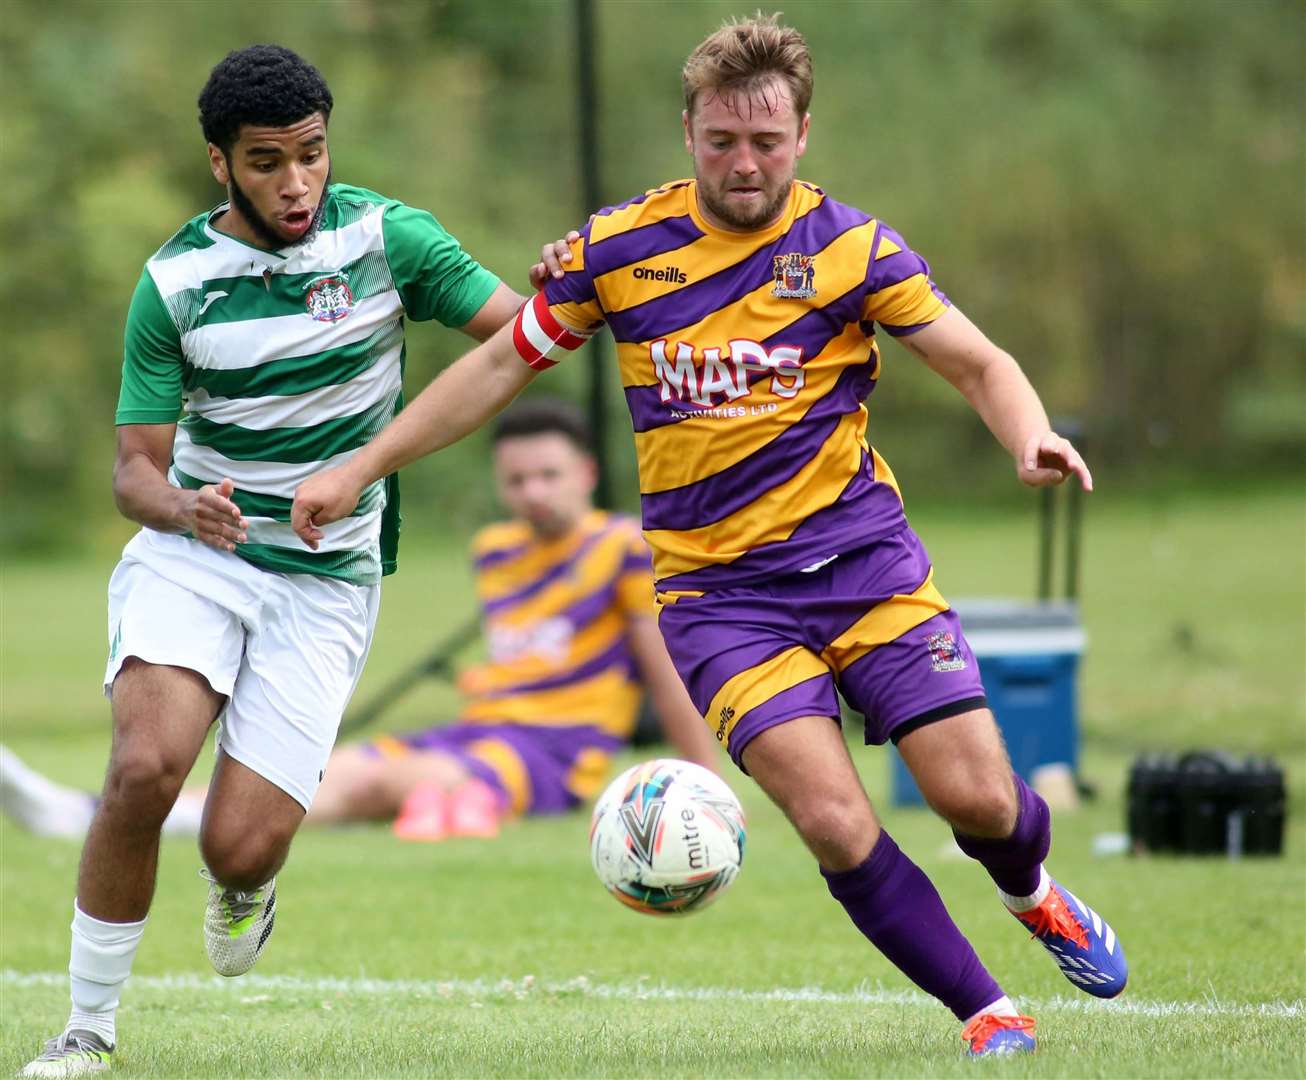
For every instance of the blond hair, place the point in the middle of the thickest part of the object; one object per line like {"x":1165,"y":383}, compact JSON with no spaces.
{"x":744,"y":55}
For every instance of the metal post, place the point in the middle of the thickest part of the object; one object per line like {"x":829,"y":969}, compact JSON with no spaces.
{"x":1072,"y":428}
{"x":1046,"y":533}
{"x":1073,"y":522}
{"x":587,"y":112}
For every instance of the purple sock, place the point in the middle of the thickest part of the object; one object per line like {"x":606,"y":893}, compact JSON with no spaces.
{"x":1014,"y":863}
{"x":892,"y":902}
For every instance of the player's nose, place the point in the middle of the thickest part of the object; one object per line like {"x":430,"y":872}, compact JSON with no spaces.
{"x":296,"y":186}
{"x":744,"y":165}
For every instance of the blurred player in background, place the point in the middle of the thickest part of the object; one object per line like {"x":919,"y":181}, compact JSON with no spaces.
{"x":567,"y":605}
{"x":277,"y":321}
{"x":566,"y":597}
{"x":744,"y":306}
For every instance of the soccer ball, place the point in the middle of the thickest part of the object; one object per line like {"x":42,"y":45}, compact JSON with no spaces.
{"x":667,"y":837}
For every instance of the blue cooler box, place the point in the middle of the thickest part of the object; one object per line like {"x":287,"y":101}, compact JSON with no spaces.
{"x":1028,"y":658}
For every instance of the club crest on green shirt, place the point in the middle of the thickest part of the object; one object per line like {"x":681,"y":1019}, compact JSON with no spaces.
{"x":329,"y":298}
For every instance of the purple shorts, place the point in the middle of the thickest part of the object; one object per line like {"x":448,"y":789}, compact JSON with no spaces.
{"x":537,"y":769}
{"x":869,"y":623}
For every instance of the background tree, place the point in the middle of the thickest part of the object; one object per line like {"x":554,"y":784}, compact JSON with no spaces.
{"x":1113,"y":189}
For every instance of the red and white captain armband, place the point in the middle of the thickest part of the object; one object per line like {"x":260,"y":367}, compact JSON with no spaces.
{"x":540,"y":339}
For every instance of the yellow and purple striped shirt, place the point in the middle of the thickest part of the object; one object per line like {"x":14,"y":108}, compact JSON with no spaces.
{"x":556,"y":615}
{"x":746,"y":358}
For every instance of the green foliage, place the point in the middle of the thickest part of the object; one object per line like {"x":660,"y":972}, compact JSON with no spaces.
{"x":1112,"y":189}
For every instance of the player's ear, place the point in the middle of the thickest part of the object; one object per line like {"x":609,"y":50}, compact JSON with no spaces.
{"x":689,"y":135}
{"x":802,"y":135}
{"x":218,"y":164}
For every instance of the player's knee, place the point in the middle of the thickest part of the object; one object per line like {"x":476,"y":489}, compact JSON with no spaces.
{"x":985,"y":807}
{"x":360,"y":788}
{"x":142,"y":781}
{"x":244,"y":857}
{"x":369,"y":790}
{"x":840,"y":831}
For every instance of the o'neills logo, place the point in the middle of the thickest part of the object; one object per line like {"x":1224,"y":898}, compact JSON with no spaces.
{"x":667,"y":273}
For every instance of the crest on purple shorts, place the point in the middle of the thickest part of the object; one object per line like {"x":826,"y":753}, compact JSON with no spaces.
{"x":944,"y":654}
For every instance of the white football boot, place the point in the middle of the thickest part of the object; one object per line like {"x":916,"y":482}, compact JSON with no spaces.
{"x":237,"y":924}
{"x":74,"y":1053}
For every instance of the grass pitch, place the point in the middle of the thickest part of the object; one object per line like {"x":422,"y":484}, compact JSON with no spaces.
{"x":506,"y":958}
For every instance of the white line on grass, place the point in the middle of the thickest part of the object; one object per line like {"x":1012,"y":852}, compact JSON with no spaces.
{"x":641,"y":990}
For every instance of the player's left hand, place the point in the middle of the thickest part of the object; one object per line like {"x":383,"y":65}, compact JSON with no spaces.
{"x":552,"y":259}
{"x":320,"y":500}
{"x":1048,"y":459}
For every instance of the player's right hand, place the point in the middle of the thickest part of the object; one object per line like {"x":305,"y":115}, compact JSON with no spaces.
{"x":320,"y":500}
{"x":1048,"y":459}
{"x":552,"y":259}
{"x":213,"y":519}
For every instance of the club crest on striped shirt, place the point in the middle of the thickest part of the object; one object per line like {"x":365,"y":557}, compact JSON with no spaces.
{"x":795,"y":276}
{"x":329,"y":298}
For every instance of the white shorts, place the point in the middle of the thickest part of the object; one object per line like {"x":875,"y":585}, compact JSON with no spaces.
{"x":287,"y":650}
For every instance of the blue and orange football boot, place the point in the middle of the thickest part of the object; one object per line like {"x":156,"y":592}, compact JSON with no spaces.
{"x":1079,"y":939}
{"x":994,"y":1036}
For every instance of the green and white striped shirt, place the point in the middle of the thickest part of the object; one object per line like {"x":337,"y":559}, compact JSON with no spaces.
{"x":285,"y":363}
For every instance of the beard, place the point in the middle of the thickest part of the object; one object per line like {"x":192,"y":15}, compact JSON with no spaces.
{"x":715,"y":201}
{"x":264,"y":228}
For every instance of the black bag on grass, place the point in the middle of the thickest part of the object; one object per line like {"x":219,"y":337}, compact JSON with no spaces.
{"x":1206,"y":803}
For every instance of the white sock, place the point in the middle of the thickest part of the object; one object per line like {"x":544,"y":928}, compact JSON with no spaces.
{"x":1028,"y":903}
{"x":39,"y":804}
{"x":99,"y":964}
{"x":186,"y":814}
{"x":1001,"y":1007}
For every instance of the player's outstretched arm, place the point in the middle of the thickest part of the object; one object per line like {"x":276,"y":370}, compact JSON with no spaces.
{"x":681,"y":723}
{"x":503,"y":304}
{"x":457,"y":402}
{"x":997,"y":389}
{"x":501,"y":308}
{"x":143,"y":494}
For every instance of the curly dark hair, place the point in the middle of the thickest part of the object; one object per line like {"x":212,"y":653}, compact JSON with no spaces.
{"x":266,"y":85}
{"x":543,"y":416}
